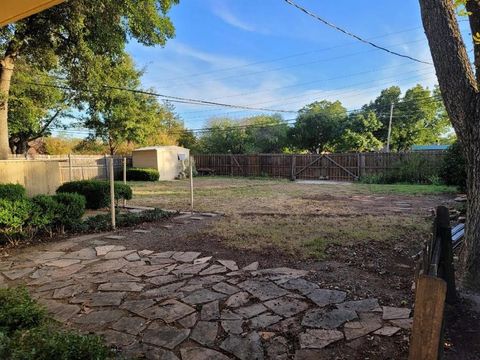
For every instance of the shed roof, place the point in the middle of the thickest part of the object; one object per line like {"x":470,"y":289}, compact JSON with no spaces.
{"x":167,"y":147}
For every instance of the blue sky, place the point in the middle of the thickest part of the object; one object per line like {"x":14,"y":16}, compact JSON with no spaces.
{"x":268,"y":54}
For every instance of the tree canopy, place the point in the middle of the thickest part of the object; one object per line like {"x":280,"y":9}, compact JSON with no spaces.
{"x":71,"y":35}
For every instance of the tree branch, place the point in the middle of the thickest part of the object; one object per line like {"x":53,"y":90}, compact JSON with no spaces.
{"x":46,"y":125}
{"x":473,"y":7}
{"x":455,"y":76}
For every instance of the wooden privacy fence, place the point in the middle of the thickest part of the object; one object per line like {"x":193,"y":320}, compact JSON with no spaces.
{"x":336,"y":166}
{"x":85,"y":167}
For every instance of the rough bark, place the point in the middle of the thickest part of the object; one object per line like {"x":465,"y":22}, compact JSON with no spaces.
{"x":459,"y":90}
{"x":6,"y":71}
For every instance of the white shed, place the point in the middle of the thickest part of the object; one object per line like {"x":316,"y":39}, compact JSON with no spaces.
{"x":170,"y":161}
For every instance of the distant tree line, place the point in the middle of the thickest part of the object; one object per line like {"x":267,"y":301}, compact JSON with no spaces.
{"x":418,"y":117}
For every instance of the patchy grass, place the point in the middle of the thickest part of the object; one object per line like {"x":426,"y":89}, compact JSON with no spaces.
{"x":301,"y":219}
{"x":407,"y":189}
{"x":304,"y":237}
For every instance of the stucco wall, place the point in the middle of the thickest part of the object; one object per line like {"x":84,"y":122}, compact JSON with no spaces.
{"x":38,"y":176}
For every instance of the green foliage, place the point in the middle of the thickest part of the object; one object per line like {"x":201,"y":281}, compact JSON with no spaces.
{"x":454,"y":167}
{"x":139,"y":174}
{"x":27,"y":334}
{"x":70,"y":208}
{"x":68,"y":40}
{"x":96,"y":192}
{"x":14,"y":215}
{"x":102,"y":222}
{"x":48,"y":342}
{"x":34,"y":109}
{"x":419,"y":117}
{"x":413,"y":169}
{"x":256,"y":134}
{"x":318,"y":126}
{"x":18,"y":310}
{"x":12,"y":191}
{"x":358,"y":133}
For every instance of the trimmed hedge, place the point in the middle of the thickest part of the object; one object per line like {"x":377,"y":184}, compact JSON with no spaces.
{"x":12,"y":191}
{"x":96,"y":192}
{"x":23,"y":217}
{"x":141,"y":174}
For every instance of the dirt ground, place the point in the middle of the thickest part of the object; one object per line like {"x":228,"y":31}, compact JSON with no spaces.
{"x":357,"y":238}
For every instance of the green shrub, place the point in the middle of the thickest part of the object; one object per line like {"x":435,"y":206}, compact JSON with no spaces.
{"x":18,"y":310}
{"x":45,"y":212}
{"x":140,"y":174}
{"x":96,"y":192}
{"x":47,"y":342}
{"x":70,"y":207}
{"x":453,"y":170}
{"x":102,"y":222}
{"x":14,"y":215}
{"x":12,"y":191}
{"x":27,"y":334}
{"x":414,"y":169}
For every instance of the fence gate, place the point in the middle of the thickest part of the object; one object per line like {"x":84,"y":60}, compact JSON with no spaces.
{"x":338,"y":167}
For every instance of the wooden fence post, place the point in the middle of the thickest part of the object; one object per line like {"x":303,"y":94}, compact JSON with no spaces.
{"x":124,"y":177}
{"x":106,"y":166}
{"x":425,"y":341}
{"x":294,"y":167}
{"x":444,"y":235}
{"x":112,"y":194}
{"x":70,"y":169}
{"x":191,"y":183}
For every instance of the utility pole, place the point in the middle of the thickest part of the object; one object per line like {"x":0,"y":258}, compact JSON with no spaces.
{"x":390,"y":127}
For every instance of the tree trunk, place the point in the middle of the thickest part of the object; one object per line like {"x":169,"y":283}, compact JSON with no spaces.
{"x":459,"y":90}
{"x":6,"y":71}
{"x":472,"y":231}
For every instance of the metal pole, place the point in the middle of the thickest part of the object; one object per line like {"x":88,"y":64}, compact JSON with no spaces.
{"x":390,"y":127}
{"x":191,"y":183}
{"x":70,"y":169}
{"x":112,"y":193}
{"x":125,"y":178}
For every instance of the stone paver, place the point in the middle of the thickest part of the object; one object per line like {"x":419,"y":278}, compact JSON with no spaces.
{"x":286,"y":307}
{"x":210,"y":311}
{"x":168,"y":311}
{"x":130,"y":324}
{"x":262,"y":289}
{"x":318,"y":339}
{"x":324,"y":297}
{"x":319,"y":318}
{"x":205,"y":333}
{"x":203,"y":296}
{"x":393,"y":313}
{"x":245,"y":348}
{"x":360,"y":305}
{"x":202,"y":354}
{"x":165,"y":336}
{"x":161,"y":305}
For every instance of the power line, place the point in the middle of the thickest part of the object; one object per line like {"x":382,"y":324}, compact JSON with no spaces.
{"x":242,"y":75}
{"x":348,"y":33}
{"x":320,"y":93}
{"x":176,"y":99}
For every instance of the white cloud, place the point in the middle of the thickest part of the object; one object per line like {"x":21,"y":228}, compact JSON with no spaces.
{"x":220,"y":10}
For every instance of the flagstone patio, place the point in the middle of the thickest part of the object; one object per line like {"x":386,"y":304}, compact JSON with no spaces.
{"x":180,"y":305}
